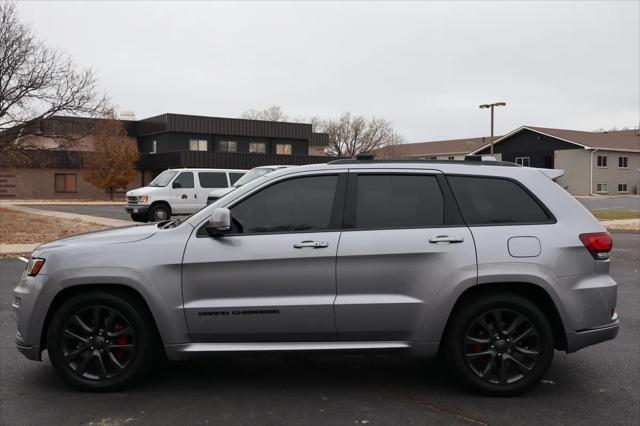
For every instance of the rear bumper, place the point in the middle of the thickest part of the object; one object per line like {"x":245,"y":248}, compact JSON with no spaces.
{"x":136,"y":209}
{"x":579,"y":339}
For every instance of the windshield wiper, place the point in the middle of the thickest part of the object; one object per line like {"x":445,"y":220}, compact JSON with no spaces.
{"x":169,"y":224}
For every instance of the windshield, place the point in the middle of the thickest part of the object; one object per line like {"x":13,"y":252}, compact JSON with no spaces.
{"x":251,"y":175}
{"x":163,"y":178}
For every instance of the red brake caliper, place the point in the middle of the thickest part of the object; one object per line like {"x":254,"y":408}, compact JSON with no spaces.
{"x":121,"y":340}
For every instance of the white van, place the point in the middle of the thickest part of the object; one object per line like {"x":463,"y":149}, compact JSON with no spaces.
{"x":177,"y":192}
{"x":252,"y":174}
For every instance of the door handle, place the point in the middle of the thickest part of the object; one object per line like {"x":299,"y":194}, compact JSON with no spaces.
{"x":446,"y":239}
{"x":184,"y":196}
{"x":312,"y":244}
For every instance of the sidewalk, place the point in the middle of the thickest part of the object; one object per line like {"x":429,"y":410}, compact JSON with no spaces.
{"x":73,"y":216}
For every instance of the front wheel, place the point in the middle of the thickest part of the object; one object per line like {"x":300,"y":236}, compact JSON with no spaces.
{"x":500,"y":344}
{"x":159,"y":212}
{"x":101,"y":341}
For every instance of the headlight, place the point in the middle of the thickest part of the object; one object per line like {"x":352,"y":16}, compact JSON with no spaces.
{"x":143,"y":198}
{"x":34,"y":266}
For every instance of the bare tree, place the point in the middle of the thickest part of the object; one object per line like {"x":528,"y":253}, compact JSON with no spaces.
{"x":271,"y":113}
{"x":350,"y":135}
{"x":38,"y":82}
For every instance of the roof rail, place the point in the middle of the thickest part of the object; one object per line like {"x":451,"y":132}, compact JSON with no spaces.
{"x":472,"y":162}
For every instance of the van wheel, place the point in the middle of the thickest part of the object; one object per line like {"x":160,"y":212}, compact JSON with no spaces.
{"x":140,"y":217}
{"x":101,"y":341}
{"x":500,"y":344}
{"x":159,"y":212}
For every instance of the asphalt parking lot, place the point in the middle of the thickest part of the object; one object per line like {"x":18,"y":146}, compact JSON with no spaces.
{"x":111,"y":211}
{"x":598,"y":385}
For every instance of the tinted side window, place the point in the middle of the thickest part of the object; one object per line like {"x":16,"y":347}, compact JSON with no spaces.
{"x":398,"y":201}
{"x":213,"y":179}
{"x":233,"y":177}
{"x":486,"y":201}
{"x":301,"y":204}
{"x":185,"y":179}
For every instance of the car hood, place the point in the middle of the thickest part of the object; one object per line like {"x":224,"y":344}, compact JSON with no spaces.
{"x":145,"y":190}
{"x":126,"y":234}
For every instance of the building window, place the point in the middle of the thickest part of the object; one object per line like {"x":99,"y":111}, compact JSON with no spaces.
{"x":623,"y":162}
{"x":258,"y":147}
{"x":228,"y":146}
{"x":523,"y":161}
{"x":197,"y":145}
{"x":622,"y":188}
{"x":154,"y":147}
{"x":602,"y":161}
{"x":451,"y":157}
{"x":602,"y":188}
{"x":66,"y":182}
{"x":283,"y":148}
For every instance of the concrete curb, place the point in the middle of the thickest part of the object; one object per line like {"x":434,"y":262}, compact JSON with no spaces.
{"x":71,"y":216}
{"x":17,"y":248}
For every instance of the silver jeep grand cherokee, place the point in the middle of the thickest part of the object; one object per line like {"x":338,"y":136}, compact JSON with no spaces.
{"x":493,"y":264}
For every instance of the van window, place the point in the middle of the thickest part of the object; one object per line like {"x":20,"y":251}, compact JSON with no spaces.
{"x":213,"y":179}
{"x":398,"y":201}
{"x":185,"y":179}
{"x":489,"y":201}
{"x":300,"y":204}
{"x":233,"y":177}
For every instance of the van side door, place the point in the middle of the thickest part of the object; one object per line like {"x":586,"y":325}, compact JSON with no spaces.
{"x":403,"y":239}
{"x":183,"y":198}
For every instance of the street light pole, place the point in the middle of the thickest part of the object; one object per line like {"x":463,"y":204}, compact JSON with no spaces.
{"x":495,"y":104}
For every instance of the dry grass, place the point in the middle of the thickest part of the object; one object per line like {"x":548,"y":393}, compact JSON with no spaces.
{"x":616,"y":214}
{"x":24,"y":228}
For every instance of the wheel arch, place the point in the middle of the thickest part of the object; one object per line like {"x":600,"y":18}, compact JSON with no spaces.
{"x":163,"y":203}
{"x":532,"y":292}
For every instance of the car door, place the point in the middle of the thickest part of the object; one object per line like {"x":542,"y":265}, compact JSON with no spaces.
{"x":184,"y":194}
{"x":403,"y":238}
{"x":272,"y":278}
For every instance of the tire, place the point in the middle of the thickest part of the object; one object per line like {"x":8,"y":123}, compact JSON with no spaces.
{"x":140,"y":217}
{"x":159,"y":212}
{"x":125,"y":341}
{"x":507,"y":365}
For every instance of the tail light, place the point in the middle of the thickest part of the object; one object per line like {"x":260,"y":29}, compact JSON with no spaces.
{"x":598,"y":243}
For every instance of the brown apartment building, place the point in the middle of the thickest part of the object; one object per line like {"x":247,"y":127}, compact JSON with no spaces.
{"x":164,"y":141}
{"x":606,"y":162}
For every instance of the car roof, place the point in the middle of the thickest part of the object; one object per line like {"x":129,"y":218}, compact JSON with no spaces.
{"x":188,"y":169}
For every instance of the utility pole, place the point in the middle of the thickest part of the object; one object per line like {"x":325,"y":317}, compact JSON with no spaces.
{"x":495,"y":104}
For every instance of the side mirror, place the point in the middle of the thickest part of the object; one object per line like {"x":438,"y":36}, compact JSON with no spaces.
{"x":176,"y":185}
{"x":219,"y":223}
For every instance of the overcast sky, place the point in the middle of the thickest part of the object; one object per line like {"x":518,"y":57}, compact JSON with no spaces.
{"x":425,"y":66}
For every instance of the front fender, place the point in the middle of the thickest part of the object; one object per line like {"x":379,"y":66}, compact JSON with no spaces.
{"x":166,"y":311}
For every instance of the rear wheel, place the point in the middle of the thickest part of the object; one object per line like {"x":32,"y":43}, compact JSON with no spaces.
{"x":500,"y":344}
{"x":101,"y":341}
{"x":159,"y":212}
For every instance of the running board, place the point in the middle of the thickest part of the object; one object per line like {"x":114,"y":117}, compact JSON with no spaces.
{"x":175,"y":350}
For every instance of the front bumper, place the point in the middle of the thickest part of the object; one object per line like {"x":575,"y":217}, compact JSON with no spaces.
{"x":136,"y":209}
{"x":582,"y":338}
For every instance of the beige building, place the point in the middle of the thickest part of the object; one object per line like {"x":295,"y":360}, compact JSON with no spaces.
{"x":606,"y":163}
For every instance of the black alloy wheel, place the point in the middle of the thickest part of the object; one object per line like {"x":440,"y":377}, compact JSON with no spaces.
{"x":499,"y":344}
{"x":98,"y":343}
{"x":101,"y":340}
{"x":502,"y":346}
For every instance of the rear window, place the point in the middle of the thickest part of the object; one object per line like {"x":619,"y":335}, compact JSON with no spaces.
{"x":398,"y":201}
{"x":213,"y":179}
{"x":234,"y":177}
{"x":489,"y":201}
